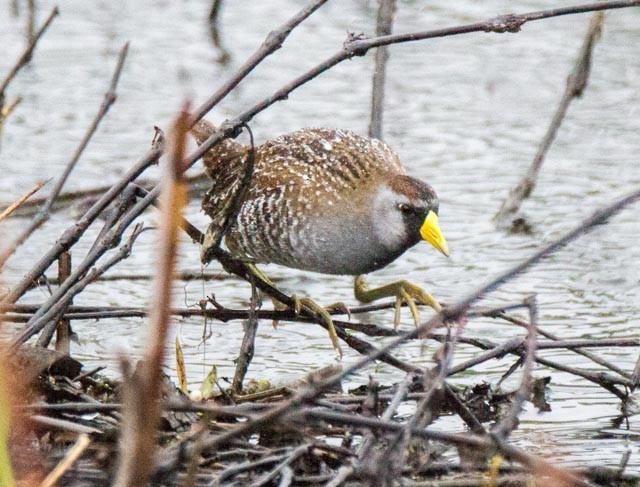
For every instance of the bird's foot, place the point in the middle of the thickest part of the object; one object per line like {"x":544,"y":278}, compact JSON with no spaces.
{"x":309,"y":305}
{"x":339,"y":308}
{"x":324,"y":316}
{"x":403,"y":291}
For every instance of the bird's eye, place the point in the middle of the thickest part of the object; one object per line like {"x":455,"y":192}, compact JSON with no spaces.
{"x":406,"y":209}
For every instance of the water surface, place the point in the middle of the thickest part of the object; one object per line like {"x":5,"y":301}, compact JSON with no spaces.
{"x":465,"y":113}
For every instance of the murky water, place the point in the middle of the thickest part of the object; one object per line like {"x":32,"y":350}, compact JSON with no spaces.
{"x":465,"y":113}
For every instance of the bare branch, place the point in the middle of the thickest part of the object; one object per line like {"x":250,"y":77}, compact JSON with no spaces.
{"x":501,"y":24}
{"x":26,"y":55}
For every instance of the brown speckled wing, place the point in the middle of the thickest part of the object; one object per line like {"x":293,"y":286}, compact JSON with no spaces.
{"x":302,"y":182}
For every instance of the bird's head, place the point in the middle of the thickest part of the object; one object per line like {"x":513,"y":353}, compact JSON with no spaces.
{"x":405,"y":211}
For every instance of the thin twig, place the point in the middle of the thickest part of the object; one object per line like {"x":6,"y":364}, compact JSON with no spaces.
{"x":67,"y":462}
{"x":575,"y":86}
{"x":26,"y":55}
{"x":508,"y":423}
{"x":14,"y":206}
{"x":63,"y":329}
{"x":248,"y":342}
{"x":214,"y":30}
{"x":5,"y":111}
{"x":31,"y":21}
{"x":504,"y":23}
{"x":185,"y":276}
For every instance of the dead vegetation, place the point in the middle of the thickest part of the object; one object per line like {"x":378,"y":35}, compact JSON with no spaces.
{"x":70,"y":427}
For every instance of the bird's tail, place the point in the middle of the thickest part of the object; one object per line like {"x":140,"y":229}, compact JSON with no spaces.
{"x":220,"y":155}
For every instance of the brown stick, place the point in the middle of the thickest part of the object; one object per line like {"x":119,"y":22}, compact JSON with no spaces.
{"x":63,"y":330}
{"x":384,"y":24}
{"x":5,"y":111}
{"x":576,"y":83}
{"x":31,"y":20}
{"x":247,"y":348}
{"x":180,"y":276}
{"x":142,"y":394}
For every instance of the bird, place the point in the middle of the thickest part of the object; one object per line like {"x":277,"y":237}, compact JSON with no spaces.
{"x":323,"y":200}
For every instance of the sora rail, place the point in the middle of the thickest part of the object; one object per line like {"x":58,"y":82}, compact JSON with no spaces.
{"x":323,"y":200}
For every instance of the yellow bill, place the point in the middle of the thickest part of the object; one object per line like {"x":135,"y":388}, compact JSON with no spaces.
{"x":430,"y":231}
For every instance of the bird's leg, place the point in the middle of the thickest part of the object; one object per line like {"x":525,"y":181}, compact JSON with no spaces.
{"x":403,"y":291}
{"x":278,"y":305}
{"x":308,"y":304}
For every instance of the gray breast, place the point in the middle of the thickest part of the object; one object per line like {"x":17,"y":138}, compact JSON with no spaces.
{"x":332,"y":242}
